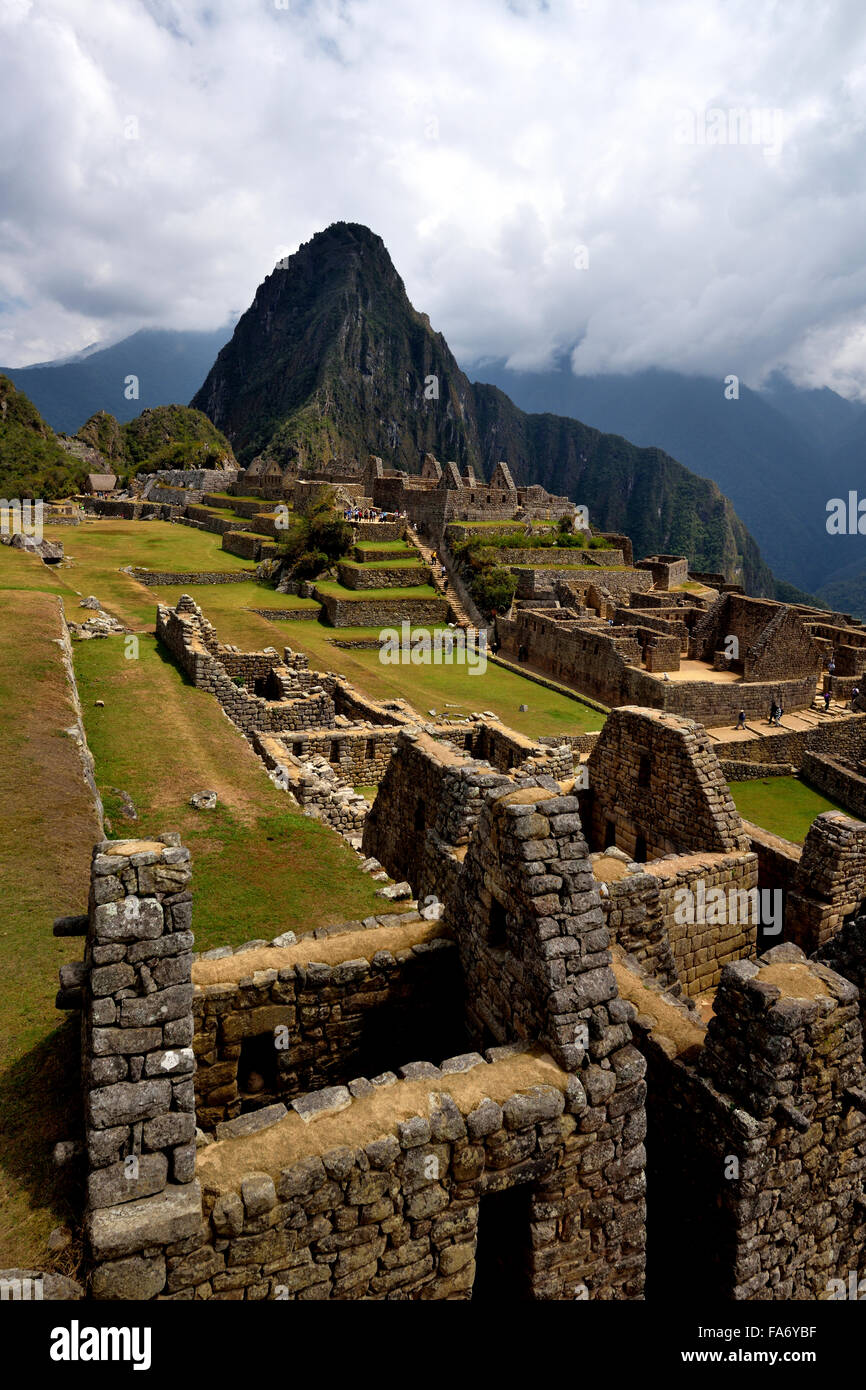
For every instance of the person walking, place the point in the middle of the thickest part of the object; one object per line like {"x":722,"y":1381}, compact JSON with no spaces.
{"x":741,"y":719}
{"x":826,"y":702}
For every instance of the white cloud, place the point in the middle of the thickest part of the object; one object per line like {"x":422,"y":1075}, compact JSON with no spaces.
{"x":484,"y":142}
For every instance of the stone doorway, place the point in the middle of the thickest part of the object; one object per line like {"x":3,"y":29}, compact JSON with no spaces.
{"x":503,"y":1249}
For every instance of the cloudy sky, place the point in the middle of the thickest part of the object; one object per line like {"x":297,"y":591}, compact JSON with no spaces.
{"x":675,"y":183}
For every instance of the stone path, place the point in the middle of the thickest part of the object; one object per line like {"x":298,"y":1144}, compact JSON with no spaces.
{"x":444,"y":586}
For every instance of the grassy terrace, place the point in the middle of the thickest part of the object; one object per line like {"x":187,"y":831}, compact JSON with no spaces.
{"x":330,"y":586}
{"x":783,"y":805}
{"x":100,"y":548}
{"x":399,"y":562}
{"x":398,"y":547}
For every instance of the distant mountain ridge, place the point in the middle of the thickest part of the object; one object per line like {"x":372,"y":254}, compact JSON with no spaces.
{"x":168,"y":365}
{"x":780,"y":454}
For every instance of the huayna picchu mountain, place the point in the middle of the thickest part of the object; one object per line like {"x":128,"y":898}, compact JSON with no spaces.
{"x":332,"y":362}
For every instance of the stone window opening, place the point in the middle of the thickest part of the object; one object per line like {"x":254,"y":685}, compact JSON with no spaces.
{"x":640,"y":849}
{"x":610,"y":835}
{"x":643,"y":770}
{"x":370,"y":750}
{"x":420,"y":819}
{"x":257,"y":1071}
{"x":334,"y":754}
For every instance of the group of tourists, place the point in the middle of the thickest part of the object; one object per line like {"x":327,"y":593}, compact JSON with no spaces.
{"x":371,"y":514}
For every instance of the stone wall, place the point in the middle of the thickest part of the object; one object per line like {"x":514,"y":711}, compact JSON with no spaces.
{"x":754,"y":1137}
{"x":655,"y":787}
{"x":360,"y":757}
{"x":836,"y":780}
{"x":409,"y":1214}
{"x":646,"y":912}
{"x":169,"y":578}
{"x":604,"y":662}
{"x":668,"y":571}
{"x":346,"y":612}
{"x":274,"y":1022}
{"x":355,"y":576}
{"x":420,"y":823}
{"x":729,"y":929}
{"x":192,"y":642}
{"x":534,"y":949}
{"x":131,"y":511}
{"x":830,"y":883}
{"x":841,"y":736}
{"x":379,"y":530}
{"x":138,"y":1064}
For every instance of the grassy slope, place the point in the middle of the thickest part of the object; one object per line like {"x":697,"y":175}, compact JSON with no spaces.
{"x":783,"y":805}
{"x":259,"y":868}
{"x":47,"y":828}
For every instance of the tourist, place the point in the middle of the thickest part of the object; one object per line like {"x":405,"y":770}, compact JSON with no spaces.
{"x":832,"y":667}
{"x":741,"y":719}
{"x":826,"y":702}
{"x":772,"y":711}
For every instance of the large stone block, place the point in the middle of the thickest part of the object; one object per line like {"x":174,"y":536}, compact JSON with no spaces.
{"x":131,"y":919}
{"x":135,"y":1279}
{"x":172,"y":1215}
{"x":127,"y":1181}
{"x":126,"y":1102}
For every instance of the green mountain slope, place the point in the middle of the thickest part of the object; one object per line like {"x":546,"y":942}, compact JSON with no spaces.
{"x":32,"y":462}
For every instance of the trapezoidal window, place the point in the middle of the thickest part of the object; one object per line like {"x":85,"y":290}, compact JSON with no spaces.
{"x":640,"y":849}
{"x":609,"y":834}
{"x":257,"y":1071}
{"x":420,"y":819}
{"x":334,"y":755}
{"x":497,"y":926}
{"x":643,"y":770}
{"x":370,"y":750}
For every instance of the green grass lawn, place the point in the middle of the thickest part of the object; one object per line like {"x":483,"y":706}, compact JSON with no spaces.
{"x":259,"y":867}
{"x":101,"y":548}
{"x":396,"y":547}
{"x":783,"y":805}
{"x":48,"y":826}
{"x":399,"y":562}
{"x":231,"y":498}
{"x":331,"y":587}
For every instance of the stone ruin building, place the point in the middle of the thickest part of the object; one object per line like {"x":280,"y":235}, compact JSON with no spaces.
{"x":435,"y":496}
{"x":627,"y":635}
{"x":539,"y":1084}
